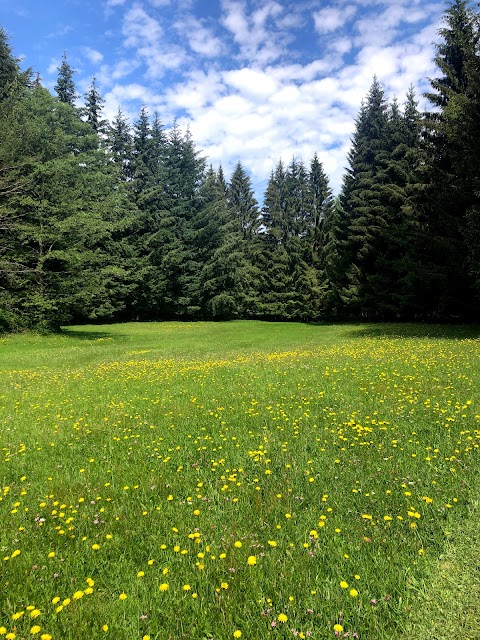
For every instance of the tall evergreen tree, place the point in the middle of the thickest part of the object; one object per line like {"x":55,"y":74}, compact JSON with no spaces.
{"x":94,"y":107}
{"x":362,"y":211}
{"x":12,"y":79}
{"x":120,"y":144}
{"x":453,"y":133}
{"x":65,"y":86}
{"x":242,"y":203}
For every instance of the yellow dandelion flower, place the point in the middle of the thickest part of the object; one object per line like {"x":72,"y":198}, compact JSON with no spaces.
{"x":252,"y":560}
{"x":122,"y":596}
{"x":337,"y":628}
{"x":78,"y":594}
{"x":353,"y":593}
{"x":186,"y":587}
{"x":344,"y":584}
{"x":51,"y":554}
{"x":237,"y":544}
{"x":3,"y":631}
{"x":45,"y":636}
{"x":105,"y":628}
{"x":35,"y":613}
{"x":282,"y":617}
{"x":140,"y":574}
{"x":237,"y":633}
{"x":35,"y":629}
{"x":164,"y":586}
{"x":272,"y":543}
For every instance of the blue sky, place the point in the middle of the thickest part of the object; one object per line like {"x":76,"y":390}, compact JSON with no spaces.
{"x":255,"y":80}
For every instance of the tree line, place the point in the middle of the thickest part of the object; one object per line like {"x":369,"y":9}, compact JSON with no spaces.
{"x":106,"y":221}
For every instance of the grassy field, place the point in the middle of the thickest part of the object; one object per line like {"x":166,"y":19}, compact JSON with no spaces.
{"x":240,"y":480}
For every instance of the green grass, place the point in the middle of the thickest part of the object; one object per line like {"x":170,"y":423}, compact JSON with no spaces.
{"x":140,"y":455}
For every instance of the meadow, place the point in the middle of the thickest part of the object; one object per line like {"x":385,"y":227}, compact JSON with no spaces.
{"x":240,"y":480}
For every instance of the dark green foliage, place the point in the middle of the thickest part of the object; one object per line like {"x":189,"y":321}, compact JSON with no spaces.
{"x":63,"y":213}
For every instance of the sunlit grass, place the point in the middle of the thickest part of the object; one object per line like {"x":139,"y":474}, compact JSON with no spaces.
{"x":231,"y":479}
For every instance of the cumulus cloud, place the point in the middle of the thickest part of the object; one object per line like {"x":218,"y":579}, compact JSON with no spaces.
{"x":93,"y":55}
{"x":200,"y":39}
{"x":252,"y":90}
{"x":332,"y":18}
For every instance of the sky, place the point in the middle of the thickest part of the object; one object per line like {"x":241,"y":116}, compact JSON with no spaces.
{"x":256,"y":80}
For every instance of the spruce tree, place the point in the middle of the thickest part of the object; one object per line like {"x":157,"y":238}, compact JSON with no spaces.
{"x":242,"y":204}
{"x":93,"y":109}
{"x":119,"y":141}
{"x":12,"y":79}
{"x":363,"y":215}
{"x":453,"y":144}
{"x":65,"y":86}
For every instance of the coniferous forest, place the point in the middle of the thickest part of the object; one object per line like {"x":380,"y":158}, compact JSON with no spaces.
{"x":113,"y":221}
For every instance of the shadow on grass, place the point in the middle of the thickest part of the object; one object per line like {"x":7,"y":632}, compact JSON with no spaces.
{"x":92,"y":335}
{"x":414,"y":330}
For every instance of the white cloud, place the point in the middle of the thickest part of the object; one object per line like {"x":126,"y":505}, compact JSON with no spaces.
{"x":332,"y":18}
{"x":257,"y":35}
{"x":251,"y":82}
{"x":146,"y":35}
{"x":93,"y":55}
{"x":250,"y":106}
{"x":200,"y":39}
{"x":115,"y":3}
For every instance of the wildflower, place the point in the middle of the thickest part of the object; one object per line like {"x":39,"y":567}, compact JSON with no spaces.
{"x":282,"y":617}
{"x":237,"y":544}
{"x":122,"y":596}
{"x":252,"y":560}
{"x":344,"y":584}
{"x":35,"y":629}
{"x":45,"y":636}
{"x":35,"y":613}
{"x":140,"y":574}
{"x":237,"y":633}
{"x":77,"y":595}
{"x":105,"y":628}
{"x":337,"y":628}
{"x":186,"y":587}
{"x":353,"y":593}
{"x":164,"y":586}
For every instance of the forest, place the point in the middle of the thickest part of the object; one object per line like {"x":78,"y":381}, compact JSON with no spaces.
{"x":111,"y":221}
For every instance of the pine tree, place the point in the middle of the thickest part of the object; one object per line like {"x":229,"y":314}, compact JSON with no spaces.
{"x":65,"y":86}
{"x":454,"y":168}
{"x":361,"y":228}
{"x":120,"y":144}
{"x":66,"y":258}
{"x":93,"y":109}
{"x":12,"y":79}
{"x":242,"y":203}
